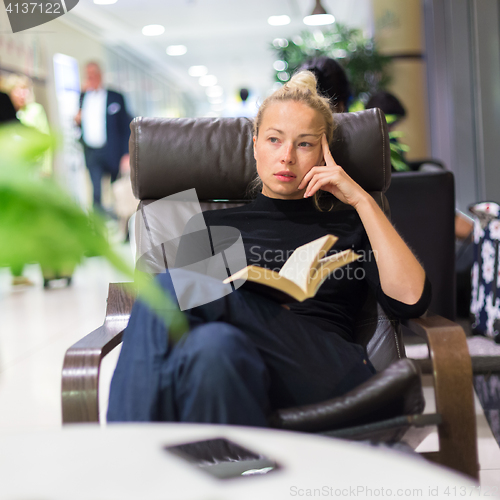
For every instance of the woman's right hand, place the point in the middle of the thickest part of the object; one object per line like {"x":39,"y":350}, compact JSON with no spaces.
{"x":332,"y":178}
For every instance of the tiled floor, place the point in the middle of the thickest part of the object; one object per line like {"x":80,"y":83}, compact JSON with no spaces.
{"x":37,"y":326}
{"x":488,"y":449}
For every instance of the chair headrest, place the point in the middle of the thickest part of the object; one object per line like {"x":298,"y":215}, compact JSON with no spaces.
{"x":215,"y":155}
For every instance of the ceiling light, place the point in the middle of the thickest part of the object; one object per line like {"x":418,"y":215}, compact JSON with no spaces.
{"x":319,"y":16}
{"x":104,"y":2}
{"x":215,"y":91}
{"x":278,"y":20}
{"x":197,"y":70}
{"x":207,"y":81}
{"x":319,"y":20}
{"x":153,"y":30}
{"x":176,"y":50}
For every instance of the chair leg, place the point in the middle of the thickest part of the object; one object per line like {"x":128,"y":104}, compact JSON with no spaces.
{"x":454,"y":394}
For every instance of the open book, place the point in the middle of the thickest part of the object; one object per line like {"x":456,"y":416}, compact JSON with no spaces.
{"x":301,"y":275}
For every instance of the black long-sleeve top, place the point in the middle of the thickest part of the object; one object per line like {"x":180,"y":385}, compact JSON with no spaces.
{"x":272,"y":228}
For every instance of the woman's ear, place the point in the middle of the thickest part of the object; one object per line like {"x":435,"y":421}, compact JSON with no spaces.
{"x":254,"y":141}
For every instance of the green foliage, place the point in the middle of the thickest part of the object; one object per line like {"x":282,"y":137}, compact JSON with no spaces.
{"x":397,"y":151}
{"x":366,"y":68}
{"x":40,"y":223}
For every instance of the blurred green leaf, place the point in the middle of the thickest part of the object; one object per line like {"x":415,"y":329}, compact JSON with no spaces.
{"x":390,"y":119}
{"x":40,"y":223}
{"x":396,"y":134}
{"x":397,"y":152}
{"x":396,"y":161}
{"x":356,"y":106}
{"x":20,"y":145}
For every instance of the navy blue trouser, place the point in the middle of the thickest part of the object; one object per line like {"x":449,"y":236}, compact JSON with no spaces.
{"x":243,"y":357}
{"x":98,"y":165}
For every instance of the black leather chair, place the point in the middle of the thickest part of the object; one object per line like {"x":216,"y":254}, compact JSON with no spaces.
{"x":423,"y":211}
{"x":216,"y":157}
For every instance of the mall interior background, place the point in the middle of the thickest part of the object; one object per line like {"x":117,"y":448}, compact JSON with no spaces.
{"x":445,"y":68}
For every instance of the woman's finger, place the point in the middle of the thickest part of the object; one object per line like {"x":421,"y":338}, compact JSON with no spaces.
{"x":327,"y":155}
{"x":314,"y":173}
{"x":317,"y":185}
{"x":320,"y":180}
{"x":309,"y":175}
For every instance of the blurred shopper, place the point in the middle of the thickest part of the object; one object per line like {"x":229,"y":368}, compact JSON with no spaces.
{"x":8,"y":114}
{"x":394,"y":113}
{"x":104,"y":121}
{"x":125,"y":203}
{"x":30,"y":114}
{"x":7,"y":110}
{"x":245,"y":108}
{"x":390,"y":105}
{"x":332,"y":81}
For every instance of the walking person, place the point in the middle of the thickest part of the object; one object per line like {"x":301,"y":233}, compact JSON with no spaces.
{"x":105,"y":121}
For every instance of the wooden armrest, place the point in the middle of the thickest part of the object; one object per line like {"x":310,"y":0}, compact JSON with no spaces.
{"x":452,"y":370}
{"x":80,"y":373}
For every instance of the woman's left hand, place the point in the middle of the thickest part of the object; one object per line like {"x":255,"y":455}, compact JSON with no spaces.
{"x":332,"y":178}
{"x":401,"y":275}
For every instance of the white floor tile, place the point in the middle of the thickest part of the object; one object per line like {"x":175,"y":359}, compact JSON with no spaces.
{"x":487,"y":447}
{"x":38,"y":326}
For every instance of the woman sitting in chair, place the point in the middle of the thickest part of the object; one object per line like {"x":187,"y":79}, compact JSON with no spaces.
{"x":246,"y":355}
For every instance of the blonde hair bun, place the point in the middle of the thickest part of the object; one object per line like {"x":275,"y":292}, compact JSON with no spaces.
{"x":304,"y":80}
{"x":300,"y":88}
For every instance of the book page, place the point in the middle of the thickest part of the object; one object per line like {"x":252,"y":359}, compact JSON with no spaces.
{"x":342,"y":255}
{"x":297,"y":268}
{"x":327,"y":266}
{"x":268,"y":282}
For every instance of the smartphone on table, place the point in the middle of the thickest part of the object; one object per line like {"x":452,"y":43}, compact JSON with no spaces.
{"x":223,"y":458}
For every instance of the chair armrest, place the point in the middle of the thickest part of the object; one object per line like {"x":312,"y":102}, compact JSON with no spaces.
{"x":81,"y":366}
{"x":393,"y":392}
{"x":452,"y":370}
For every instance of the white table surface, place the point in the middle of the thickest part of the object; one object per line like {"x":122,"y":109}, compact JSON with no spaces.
{"x":128,"y":462}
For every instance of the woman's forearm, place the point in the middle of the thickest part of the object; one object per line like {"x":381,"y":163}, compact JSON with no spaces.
{"x":401,"y":275}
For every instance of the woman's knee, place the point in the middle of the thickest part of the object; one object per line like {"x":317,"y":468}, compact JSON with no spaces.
{"x":218,"y":353}
{"x":217,"y":340}
{"x":218,"y":358}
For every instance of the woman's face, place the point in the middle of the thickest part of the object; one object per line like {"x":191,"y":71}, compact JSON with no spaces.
{"x":287,"y":147}
{"x":19,"y":97}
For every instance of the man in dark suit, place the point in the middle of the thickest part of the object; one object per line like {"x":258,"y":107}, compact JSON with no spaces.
{"x":105,"y":125}
{"x":7,"y":111}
